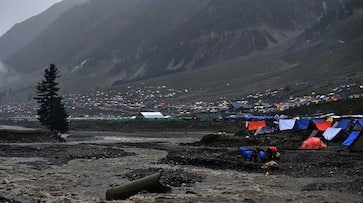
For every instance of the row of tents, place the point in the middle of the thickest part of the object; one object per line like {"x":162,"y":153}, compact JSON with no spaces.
{"x":346,"y":130}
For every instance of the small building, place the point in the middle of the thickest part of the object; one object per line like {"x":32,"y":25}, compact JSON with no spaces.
{"x":152,"y":115}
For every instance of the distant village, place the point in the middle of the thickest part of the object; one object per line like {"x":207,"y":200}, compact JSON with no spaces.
{"x":159,"y":102}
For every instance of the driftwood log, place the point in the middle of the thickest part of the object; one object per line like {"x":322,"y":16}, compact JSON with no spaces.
{"x":149,"y":183}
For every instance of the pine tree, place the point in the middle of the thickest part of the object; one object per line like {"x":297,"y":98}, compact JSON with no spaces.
{"x":51,"y":113}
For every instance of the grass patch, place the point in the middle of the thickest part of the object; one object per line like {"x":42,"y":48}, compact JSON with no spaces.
{"x":23,"y":131}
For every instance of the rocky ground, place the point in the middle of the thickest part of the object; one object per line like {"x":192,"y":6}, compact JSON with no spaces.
{"x":84,"y":167}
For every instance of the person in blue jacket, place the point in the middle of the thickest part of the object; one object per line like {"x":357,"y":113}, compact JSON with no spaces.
{"x":248,"y":154}
{"x":261,"y":154}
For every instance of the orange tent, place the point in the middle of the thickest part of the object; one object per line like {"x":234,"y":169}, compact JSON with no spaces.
{"x":322,"y":126}
{"x":254,"y":125}
{"x":313,"y":143}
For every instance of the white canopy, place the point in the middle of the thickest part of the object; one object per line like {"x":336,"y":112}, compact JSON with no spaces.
{"x":152,"y":115}
{"x":330,"y":133}
{"x":286,"y":124}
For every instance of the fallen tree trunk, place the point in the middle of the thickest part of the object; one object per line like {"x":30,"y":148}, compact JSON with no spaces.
{"x":149,"y":183}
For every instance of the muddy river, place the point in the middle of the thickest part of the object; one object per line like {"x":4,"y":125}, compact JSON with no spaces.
{"x":88,"y":164}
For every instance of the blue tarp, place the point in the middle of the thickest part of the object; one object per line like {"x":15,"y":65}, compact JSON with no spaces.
{"x":353,"y":136}
{"x":258,"y":117}
{"x":251,"y":117}
{"x":318,"y":120}
{"x":344,"y":124}
{"x":360,"y":122}
{"x":302,"y":124}
{"x":232,"y":117}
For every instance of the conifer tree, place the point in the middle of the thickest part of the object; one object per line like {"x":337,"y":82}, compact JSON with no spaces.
{"x":51,"y":112}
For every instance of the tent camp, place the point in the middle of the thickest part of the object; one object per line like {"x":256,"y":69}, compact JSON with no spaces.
{"x":354,"y":142}
{"x":322,"y":125}
{"x":254,"y":125}
{"x":334,"y":134}
{"x":286,"y":124}
{"x":264,"y":130}
{"x":313,"y":143}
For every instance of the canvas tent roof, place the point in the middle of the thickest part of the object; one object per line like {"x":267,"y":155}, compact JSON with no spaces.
{"x":313,"y":143}
{"x":316,"y":120}
{"x":253,"y":125}
{"x":302,"y":124}
{"x":332,"y":133}
{"x":358,"y":125}
{"x":354,"y":142}
{"x":264,"y":130}
{"x":286,"y":124}
{"x":351,"y":138}
{"x":322,"y":125}
{"x":344,"y":124}
{"x":360,"y":122}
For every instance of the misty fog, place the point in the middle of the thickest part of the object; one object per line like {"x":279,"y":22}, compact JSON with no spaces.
{"x":7,"y":75}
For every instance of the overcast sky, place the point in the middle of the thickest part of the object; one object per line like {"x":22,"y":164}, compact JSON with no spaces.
{"x":16,"y":11}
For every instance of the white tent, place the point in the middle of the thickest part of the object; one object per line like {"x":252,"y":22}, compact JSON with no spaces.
{"x":331,"y":133}
{"x":286,"y":124}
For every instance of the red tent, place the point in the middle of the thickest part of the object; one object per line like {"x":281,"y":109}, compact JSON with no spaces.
{"x":313,"y":143}
{"x":323,"y":125}
{"x":254,"y":125}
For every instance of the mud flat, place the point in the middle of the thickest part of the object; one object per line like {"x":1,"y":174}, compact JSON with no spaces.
{"x":84,"y":167}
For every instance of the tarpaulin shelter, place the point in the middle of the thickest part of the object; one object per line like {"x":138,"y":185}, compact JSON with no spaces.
{"x":286,"y":124}
{"x":344,"y":124}
{"x":354,"y":142}
{"x":264,"y":130}
{"x":358,"y":125}
{"x":313,"y":143}
{"x":322,"y":125}
{"x":315,"y":120}
{"x":334,"y":134}
{"x":302,"y":124}
{"x":254,"y":125}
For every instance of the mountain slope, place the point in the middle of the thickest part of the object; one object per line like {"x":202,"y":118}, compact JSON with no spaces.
{"x":214,"y":47}
{"x":143,"y":39}
{"x":23,"y":33}
{"x":223,"y":31}
{"x":326,"y":55}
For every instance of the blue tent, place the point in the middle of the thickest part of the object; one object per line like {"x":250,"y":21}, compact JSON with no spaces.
{"x":316,"y":120}
{"x":302,"y":124}
{"x":344,"y":124}
{"x":358,"y":126}
{"x":351,"y":138}
{"x":360,"y":122}
{"x":354,"y":142}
